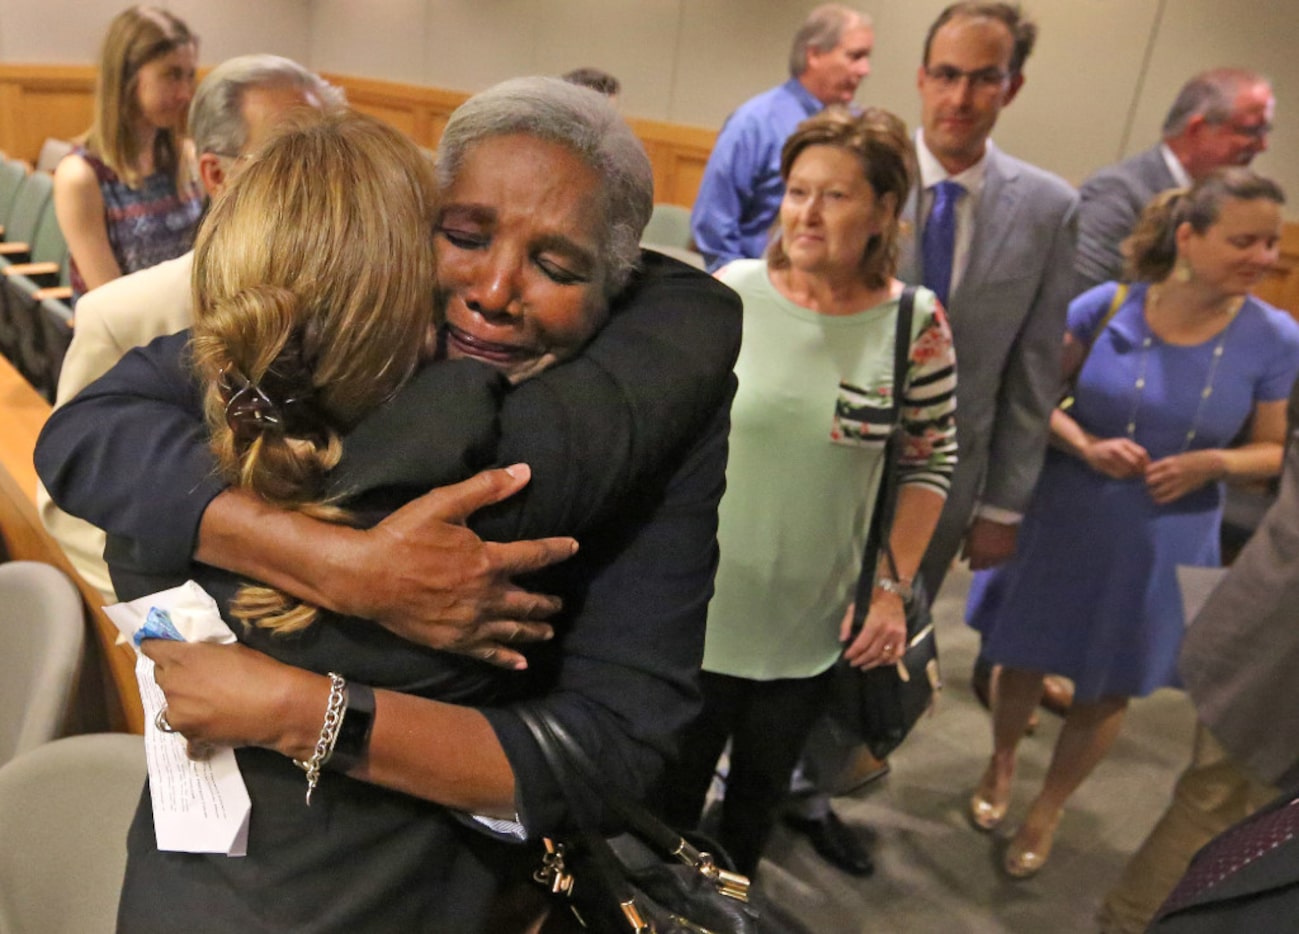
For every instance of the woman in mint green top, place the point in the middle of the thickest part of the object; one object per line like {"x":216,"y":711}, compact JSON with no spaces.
{"x":819,"y":319}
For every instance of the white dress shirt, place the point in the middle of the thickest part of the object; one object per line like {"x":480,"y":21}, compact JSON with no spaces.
{"x":1175,"y":166}
{"x":931,"y":173}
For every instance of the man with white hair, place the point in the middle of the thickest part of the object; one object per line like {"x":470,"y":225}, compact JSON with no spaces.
{"x":741,"y":189}
{"x":233,"y":110}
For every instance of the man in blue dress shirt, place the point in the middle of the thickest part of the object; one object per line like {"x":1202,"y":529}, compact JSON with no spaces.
{"x":741,"y":189}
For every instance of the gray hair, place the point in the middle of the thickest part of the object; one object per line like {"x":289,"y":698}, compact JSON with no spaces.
{"x":1210,"y":94}
{"x":216,"y":119}
{"x":586,"y":123}
{"x":822,"y":31}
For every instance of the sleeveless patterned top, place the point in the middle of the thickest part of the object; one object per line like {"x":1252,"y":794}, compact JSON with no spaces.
{"x":146,"y":225}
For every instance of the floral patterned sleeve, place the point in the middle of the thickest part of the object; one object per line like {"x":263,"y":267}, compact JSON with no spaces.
{"x":928,"y":455}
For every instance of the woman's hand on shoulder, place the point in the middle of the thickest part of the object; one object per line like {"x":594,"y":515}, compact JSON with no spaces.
{"x":1117,"y":458}
{"x":1171,"y":478}
{"x":423,"y":575}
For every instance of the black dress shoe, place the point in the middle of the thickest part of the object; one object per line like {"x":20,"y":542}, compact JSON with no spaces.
{"x":835,"y":842}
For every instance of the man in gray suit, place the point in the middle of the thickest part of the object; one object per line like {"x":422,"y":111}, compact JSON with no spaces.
{"x":1220,"y":117}
{"x":1004,"y":271}
{"x":1238,"y":663}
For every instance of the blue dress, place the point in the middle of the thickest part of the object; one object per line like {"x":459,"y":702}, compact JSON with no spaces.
{"x":1092,"y":590}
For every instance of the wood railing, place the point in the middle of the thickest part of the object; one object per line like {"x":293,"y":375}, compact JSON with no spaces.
{"x":677,"y":153}
{"x":39,"y":101}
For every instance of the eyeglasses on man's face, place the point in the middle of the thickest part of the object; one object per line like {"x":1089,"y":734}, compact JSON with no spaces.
{"x":1257,"y":131}
{"x":948,"y":77}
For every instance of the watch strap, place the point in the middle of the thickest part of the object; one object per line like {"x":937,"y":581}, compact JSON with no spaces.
{"x":353,"y":740}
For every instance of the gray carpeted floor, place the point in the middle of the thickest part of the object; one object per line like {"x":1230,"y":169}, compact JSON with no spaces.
{"x":934,"y":873}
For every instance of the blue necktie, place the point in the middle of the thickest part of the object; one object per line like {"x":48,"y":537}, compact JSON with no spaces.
{"x":938,"y":246}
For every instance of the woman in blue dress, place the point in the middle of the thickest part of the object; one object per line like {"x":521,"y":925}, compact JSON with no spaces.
{"x":1132,"y":486}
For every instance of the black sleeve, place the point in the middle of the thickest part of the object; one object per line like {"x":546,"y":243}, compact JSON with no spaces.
{"x":129,"y":454}
{"x":631,"y":645}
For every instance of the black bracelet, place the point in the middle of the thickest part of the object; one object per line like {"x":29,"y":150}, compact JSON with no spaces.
{"x":353,"y":740}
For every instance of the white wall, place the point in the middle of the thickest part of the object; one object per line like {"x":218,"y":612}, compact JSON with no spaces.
{"x":69,"y":31}
{"x":1098,"y":85}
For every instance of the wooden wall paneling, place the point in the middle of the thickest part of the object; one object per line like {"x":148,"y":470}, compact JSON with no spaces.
{"x":419,"y":111}
{"x":1281,"y":286}
{"x":39,"y":101}
{"x":403,"y":118}
{"x":10,"y":117}
{"x":678,"y":154}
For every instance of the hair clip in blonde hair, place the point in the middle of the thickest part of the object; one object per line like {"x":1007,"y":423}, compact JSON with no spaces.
{"x":249,"y":410}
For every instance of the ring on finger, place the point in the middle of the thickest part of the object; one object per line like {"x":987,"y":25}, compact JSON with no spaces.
{"x":160,"y":721}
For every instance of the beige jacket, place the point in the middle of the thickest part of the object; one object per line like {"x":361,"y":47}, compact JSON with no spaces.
{"x":110,"y":320}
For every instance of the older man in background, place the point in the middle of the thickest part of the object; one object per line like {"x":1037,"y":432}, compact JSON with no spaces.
{"x":233,"y":109}
{"x":1220,"y":117}
{"x":741,"y":189}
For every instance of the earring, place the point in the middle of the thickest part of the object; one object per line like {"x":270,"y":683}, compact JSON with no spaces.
{"x":1182,"y":271}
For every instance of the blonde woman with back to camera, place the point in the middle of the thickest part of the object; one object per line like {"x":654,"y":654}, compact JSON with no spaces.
{"x":1132,"y":487}
{"x":127,"y":197}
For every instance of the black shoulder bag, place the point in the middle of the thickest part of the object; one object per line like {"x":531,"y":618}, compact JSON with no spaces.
{"x":880,"y":705}
{"x":649,"y":880}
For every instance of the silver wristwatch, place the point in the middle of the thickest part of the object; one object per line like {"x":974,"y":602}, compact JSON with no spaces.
{"x":901,"y":588}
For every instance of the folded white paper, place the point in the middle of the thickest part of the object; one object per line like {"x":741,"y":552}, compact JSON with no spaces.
{"x":198,"y":806}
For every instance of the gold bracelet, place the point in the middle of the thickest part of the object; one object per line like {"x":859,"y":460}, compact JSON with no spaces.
{"x":334,"y":712}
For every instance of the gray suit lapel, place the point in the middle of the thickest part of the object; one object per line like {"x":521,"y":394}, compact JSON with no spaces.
{"x":1154,"y":171}
{"x":993,"y":221}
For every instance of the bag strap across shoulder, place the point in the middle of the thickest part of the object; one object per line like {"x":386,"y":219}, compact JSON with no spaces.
{"x":1120,"y":295}
{"x":886,"y":502}
{"x":581,"y":779}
